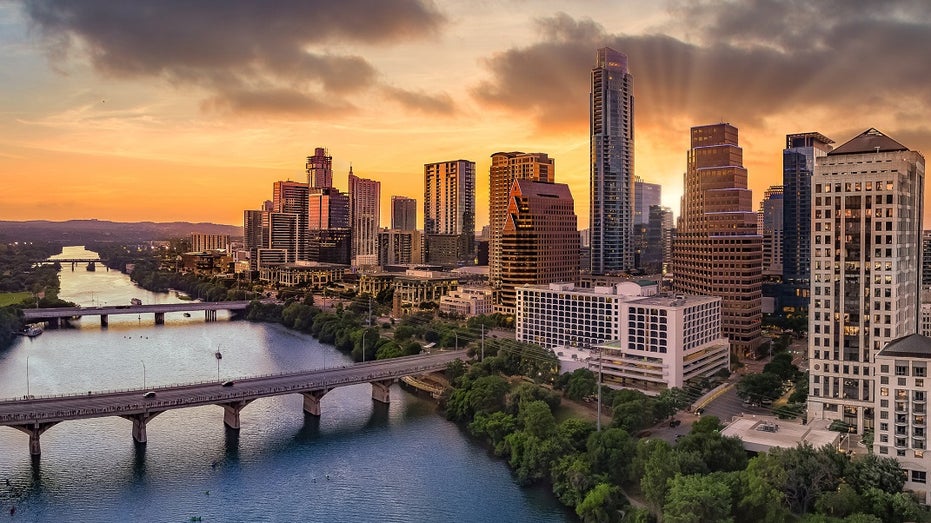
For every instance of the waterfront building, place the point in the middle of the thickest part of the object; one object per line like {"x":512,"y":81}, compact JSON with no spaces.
{"x":449,"y":203}
{"x":771,"y":213}
{"x":201,"y":242}
{"x":468,"y":301}
{"x":540,"y":239}
{"x":717,"y":251}
{"x":291,"y":198}
{"x":400,"y":247}
{"x":317,"y":275}
{"x":365,"y":219}
{"x":319,"y":169}
{"x":650,"y":341}
{"x":865,"y":259}
{"x":505,"y":168}
{"x":902,"y":408}
{"x":205,"y":263}
{"x":612,"y":163}
{"x":403,"y":213}
{"x":798,"y":166}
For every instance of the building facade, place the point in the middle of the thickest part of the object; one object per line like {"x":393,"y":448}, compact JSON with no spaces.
{"x":612,"y":163}
{"x":866,"y":257}
{"x":291,"y":198}
{"x":364,"y":217}
{"x":449,"y":202}
{"x":319,"y":169}
{"x":328,"y":209}
{"x":209,"y":242}
{"x":540,"y":239}
{"x":658,"y":252}
{"x":798,"y":166}
{"x":468,"y":301}
{"x":403,"y":213}
{"x":400,"y":247}
{"x":505,"y":168}
{"x":717,"y":251}
{"x":771,"y":211}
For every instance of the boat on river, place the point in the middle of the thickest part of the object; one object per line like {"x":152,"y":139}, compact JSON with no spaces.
{"x":31,"y":330}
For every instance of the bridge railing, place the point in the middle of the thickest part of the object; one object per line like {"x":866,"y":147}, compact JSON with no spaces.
{"x":309,"y":372}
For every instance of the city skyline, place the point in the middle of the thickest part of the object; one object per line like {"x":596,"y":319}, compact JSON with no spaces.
{"x":97,"y":115}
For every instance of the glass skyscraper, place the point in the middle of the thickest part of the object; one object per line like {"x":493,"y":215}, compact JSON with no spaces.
{"x":612,"y":163}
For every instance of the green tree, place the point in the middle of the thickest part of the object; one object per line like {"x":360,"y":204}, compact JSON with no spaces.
{"x":528,"y":392}
{"x":697,"y":499}
{"x":874,"y":471}
{"x":603,"y":504}
{"x":572,"y":478}
{"x":839,"y":503}
{"x":757,"y":387}
{"x":719,"y":453}
{"x":707,"y":425}
{"x":537,"y":419}
{"x":494,"y":427}
{"x":610,"y":452}
{"x":581,"y":383}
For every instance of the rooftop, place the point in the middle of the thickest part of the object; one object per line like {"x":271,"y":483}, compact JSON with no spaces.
{"x":911,"y":346}
{"x":869,"y":141}
{"x":761,"y":433}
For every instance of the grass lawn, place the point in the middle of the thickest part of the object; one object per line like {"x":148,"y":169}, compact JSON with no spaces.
{"x":10,"y":298}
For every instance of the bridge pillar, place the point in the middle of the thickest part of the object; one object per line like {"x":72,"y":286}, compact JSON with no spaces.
{"x":159,"y":318}
{"x":231,"y":413}
{"x":210,"y":315}
{"x":72,"y":266}
{"x":104,"y":320}
{"x":139,"y":423}
{"x":35,"y":430}
{"x":312,"y":401}
{"x":54,"y":323}
{"x":381,"y":391}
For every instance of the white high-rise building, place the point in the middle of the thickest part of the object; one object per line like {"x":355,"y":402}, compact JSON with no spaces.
{"x":449,"y":202}
{"x":865,"y":262}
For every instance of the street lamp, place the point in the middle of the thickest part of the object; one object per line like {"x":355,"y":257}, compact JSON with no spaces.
{"x":27,"y":376}
{"x":143,"y":373}
{"x":363,"y":344}
{"x":219,"y":357}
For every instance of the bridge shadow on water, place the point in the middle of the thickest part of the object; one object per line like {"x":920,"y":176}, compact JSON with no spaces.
{"x":379,"y":417}
{"x":138,"y":469}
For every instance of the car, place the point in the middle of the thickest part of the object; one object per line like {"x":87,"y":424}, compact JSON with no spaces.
{"x":149,"y":395}
{"x":674,"y":423}
{"x":228,"y":383}
{"x":699,"y":411}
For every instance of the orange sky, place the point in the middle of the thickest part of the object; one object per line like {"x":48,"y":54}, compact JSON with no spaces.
{"x":169,"y":112}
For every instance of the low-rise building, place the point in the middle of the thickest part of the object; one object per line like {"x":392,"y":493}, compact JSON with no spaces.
{"x":415,"y":287}
{"x":313,"y":273}
{"x":468,"y":301}
{"x":649,"y":341}
{"x":901,"y":408}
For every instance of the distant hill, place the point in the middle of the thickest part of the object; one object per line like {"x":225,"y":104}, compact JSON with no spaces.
{"x":78,"y":232}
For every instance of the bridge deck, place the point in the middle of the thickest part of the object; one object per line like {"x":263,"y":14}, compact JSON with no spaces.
{"x":52,"y":409}
{"x":67,"y":312}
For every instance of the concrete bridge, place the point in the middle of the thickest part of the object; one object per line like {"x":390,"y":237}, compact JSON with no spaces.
{"x":36,"y":415}
{"x":72,"y":261}
{"x":54,"y":315}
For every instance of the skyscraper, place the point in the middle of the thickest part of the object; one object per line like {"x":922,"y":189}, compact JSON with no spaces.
{"x":291,"y":198}
{"x":365,"y":218}
{"x":646,"y":195}
{"x":798,"y":166}
{"x":865,"y":262}
{"x":658,"y":251}
{"x":612,"y":163}
{"x":540,"y":239}
{"x":771,"y":210}
{"x":449,"y":202}
{"x":255,"y":232}
{"x":319,"y":169}
{"x":403,"y":213}
{"x":505,"y":168}
{"x":717,"y":250}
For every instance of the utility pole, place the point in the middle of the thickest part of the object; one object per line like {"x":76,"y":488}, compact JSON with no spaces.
{"x":483,"y":342}
{"x":601,"y":363}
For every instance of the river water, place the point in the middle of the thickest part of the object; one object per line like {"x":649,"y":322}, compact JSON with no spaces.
{"x":360,"y":461}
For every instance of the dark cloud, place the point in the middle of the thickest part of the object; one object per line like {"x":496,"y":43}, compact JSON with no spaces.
{"x":742,"y":61}
{"x":420,"y":101}
{"x":240,"y":49}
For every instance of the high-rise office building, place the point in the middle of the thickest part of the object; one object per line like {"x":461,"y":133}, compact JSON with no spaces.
{"x":328,"y":209}
{"x":771,"y":212}
{"x":291,"y":198}
{"x":926,"y":261}
{"x":255,"y":232}
{"x":865,"y":260}
{"x":403,"y":213}
{"x":658,"y":249}
{"x":400,"y":247}
{"x":449,"y":203}
{"x":798,"y":166}
{"x":319,"y":169}
{"x":646,"y":195}
{"x":612,"y":163}
{"x":717,"y":250}
{"x":540,"y":239}
{"x":505,"y":168}
{"x":364,"y":218}
{"x":283,"y":234}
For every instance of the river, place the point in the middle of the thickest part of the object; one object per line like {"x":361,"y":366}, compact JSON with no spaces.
{"x":360,"y":461}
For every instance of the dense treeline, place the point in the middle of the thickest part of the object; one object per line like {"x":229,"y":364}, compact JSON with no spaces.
{"x":18,"y":274}
{"x":704,"y":477}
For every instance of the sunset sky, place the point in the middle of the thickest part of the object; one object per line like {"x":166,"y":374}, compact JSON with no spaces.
{"x":188,"y":111}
